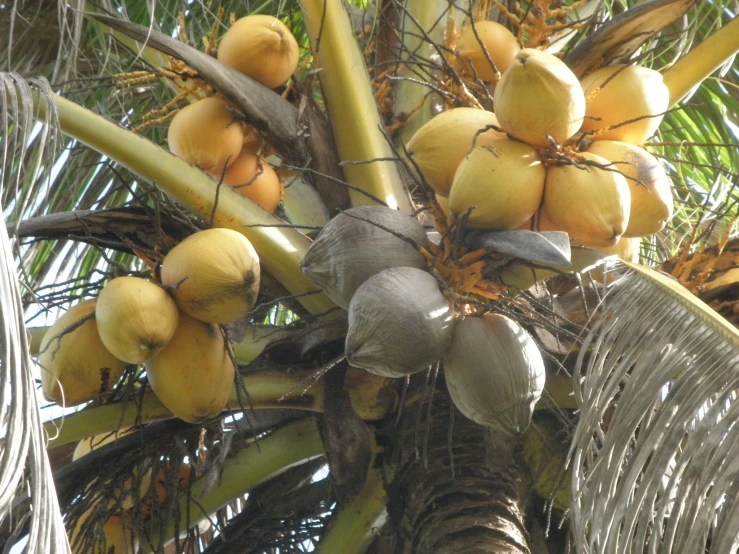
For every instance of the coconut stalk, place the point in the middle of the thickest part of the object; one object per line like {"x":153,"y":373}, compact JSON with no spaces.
{"x":355,"y":525}
{"x":408,"y":94}
{"x":293,"y":444}
{"x":695,"y":66}
{"x":267,"y":390}
{"x":352,"y":110}
{"x":280,"y":248}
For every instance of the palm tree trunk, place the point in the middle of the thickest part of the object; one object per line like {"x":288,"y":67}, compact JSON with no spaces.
{"x":471,"y":501}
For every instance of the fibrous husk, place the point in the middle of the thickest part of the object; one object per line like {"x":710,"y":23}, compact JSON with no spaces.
{"x":206,"y":134}
{"x":213,"y":275}
{"x":135,"y":317}
{"x":440,"y":145}
{"x":194,"y":375}
{"x":494,"y":372}
{"x":620,"y":93}
{"x":353,"y":247}
{"x":399,"y":323}
{"x":75,"y":366}
{"x":262,"y":47}
{"x":539,"y":97}
{"x":651,"y":188}
{"x":499,"y":42}
{"x":503,"y":180}
{"x":590,"y":203}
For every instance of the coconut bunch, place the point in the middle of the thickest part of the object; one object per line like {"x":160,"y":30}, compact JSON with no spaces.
{"x":209,"y":132}
{"x":209,"y":279}
{"x":370,"y":261}
{"x":557,"y":154}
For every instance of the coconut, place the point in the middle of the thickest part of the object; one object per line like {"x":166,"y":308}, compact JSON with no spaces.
{"x":494,"y":372}
{"x":262,"y":47}
{"x":135,"y":318}
{"x":399,"y":323}
{"x":357,"y":244}
{"x":117,"y":537}
{"x":206,"y":134}
{"x":539,"y":222}
{"x":75,"y":365}
{"x":499,"y":42}
{"x":539,"y":97}
{"x":590,"y":203}
{"x":651,"y":188}
{"x":90,"y":444}
{"x":503,"y":181}
{"x":194,"y":375}
{"x":213,"y":275}
{"x":441,"y":144}
{"x":619,"y":93}
{"x":254,"y":178}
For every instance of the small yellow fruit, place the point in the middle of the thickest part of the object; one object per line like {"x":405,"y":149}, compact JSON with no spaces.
{"x":626,"y":249}
{"x":262,"y":47}
{"x":76,"y":367}
{"x":591,"y":204}
{"x":503,"y":180}
{"x":254,"y":178}
{"x":539,"y":97}
{"x":135,"y":318}
{"x":651,"y":188}
{"x":194,"y":375}
{"x":619,"y":93}
{"x":499,"y":42}
{"x":206,"y":134}
{"x":441,"y":144}
{"x":213,"y":275}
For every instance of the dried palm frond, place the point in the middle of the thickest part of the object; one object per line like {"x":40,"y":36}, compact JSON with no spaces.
{"x":655,"y":454}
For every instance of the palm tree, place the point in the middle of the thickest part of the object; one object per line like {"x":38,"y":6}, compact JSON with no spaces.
{"x":312,"y":453}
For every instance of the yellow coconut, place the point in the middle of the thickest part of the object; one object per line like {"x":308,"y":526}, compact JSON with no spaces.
{"x":135,"y":318}
{"x":499,"y":42}
{"x":213,"y":275}
{"x":539,"y":222}
{"x":619,"y":93}
{"x":262,"y":47}
{"x":194,"y":375}
{"x":117,"y":536}
{"x":75,"y":365}
{"x":207,"y":134}
{"x":504,"y":182}
{"x":254,"y":178}
{"x":539,"y":97}
{"x":591,"y":204}
{"x":161,"y":483}
{"x":440,"y":145}
{"x":90,"y":444}
{"x":626,"y":249}
{"x":651,"y":188}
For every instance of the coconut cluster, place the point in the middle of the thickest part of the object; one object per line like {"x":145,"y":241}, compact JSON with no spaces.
{"x":210,"y":134}
{"x":558,"y":153}
{"x":373,"y":262}
{"x":172,"y":327}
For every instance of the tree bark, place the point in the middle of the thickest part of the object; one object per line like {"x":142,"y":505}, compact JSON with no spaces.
{"x":472,"y":501}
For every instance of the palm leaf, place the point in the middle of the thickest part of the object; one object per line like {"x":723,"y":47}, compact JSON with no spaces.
{"x":654,"y":454}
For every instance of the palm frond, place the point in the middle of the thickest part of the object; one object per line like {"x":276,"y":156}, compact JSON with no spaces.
{"x":654,"y":456}
{"x":24,"y":465}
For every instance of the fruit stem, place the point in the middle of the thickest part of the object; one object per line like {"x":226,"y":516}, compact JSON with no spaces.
{"x":351,"y":105}
{"x":280,"y":248}
{"x":356,"y":524}
{"x":293,"y":444}
{"x":695,"y":66}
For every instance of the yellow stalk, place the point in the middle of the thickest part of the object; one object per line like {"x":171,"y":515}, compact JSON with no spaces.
{"x":280,"y":249}
{"x":351,"y":106}
{"x":355,"y":525}
{"x":267,"y":390}
{"x":289,"y":446}
{"x":690,"y":70}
